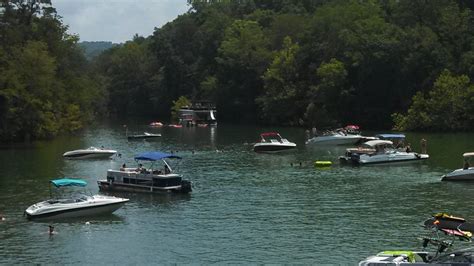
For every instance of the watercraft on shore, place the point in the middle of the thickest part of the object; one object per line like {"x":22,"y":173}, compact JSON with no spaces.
{"x":149,"y":180}
{"x":90,"y":153}
{"x":379,"y":152}
{"x":145,"y":135}
{"x":272,"y":142}
{"x":79,"y":206}
{"x":438,"y":245}
{"x":464,"y":174}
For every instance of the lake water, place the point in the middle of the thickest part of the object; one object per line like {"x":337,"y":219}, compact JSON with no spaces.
{"x":245,"y":207}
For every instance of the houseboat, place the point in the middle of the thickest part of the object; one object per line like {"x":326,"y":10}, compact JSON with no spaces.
{"x":198,"y":114}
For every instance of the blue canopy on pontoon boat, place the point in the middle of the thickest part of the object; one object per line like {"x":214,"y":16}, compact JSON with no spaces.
{"x":154,"y":156}
{"x":390,"y":136}
{"x":66,"y":182}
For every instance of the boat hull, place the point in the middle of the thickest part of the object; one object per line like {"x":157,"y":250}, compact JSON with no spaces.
{"x":273,"y":147}
{"x":139,"y":137}
{"x":460,"y":175}
{"x":91,"y":155}
{"x":105,"y":185}
{"x":83,"y":211}
{"x":383,"y":159}
{"x":335,"y":140}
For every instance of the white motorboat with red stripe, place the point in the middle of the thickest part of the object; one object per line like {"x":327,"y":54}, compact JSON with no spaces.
{"x":273,"y":142}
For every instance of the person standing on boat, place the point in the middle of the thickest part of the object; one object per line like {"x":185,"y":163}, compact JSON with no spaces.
{"x":466,"y":164}
{"x":423,"y":145}
{"x":408,"y":148}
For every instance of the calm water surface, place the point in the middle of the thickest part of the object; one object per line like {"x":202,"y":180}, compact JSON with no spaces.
{"x":245,"y":207}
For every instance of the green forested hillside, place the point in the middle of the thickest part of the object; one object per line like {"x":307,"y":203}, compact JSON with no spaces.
{"x":406,"y":64}
{"x":45,"y":84}
{"x":93,"y":49}
{"x":304,"y":62}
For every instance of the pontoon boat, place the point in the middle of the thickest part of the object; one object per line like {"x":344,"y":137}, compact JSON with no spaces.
{"x":154,"y":179}
{"x":74,"y":207}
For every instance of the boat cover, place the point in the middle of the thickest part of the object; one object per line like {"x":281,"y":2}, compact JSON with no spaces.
{"x":468,"y":154}
{"x":390,"y":136}
{"x":154,"y":156}
{"x":66,"y":182}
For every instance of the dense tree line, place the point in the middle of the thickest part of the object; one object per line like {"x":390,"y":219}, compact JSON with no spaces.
{"x":406,"y":64}
{"x":305,"y":62}
{"x":45,"y":87}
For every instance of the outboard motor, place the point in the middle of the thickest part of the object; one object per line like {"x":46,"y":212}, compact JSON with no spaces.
{"x":185,"y":186}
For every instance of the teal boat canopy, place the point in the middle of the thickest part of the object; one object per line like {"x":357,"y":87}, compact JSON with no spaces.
{"x":67,"y":182}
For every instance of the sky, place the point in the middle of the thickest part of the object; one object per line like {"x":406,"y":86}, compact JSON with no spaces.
{"x":117,"y":20}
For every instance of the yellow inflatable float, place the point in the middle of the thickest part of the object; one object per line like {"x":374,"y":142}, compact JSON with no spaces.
{"x":322,"y":163}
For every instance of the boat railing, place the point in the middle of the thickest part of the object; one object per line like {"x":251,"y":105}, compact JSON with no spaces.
{"x":144,"y":174}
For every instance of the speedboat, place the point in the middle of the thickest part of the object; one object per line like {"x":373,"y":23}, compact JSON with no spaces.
{"x":90,"y":153}
{"x":273,"y":142}
{"x":464,"y":174}
{"x":74,"y":207}
{"x":149,"y":180}
{"x":145,"y":135}
{"x":438,"y":245}
{"x":347,"y":135}
{"x":335,"y":138}
{"x":155,"y":124}
{"x":378,"y":152}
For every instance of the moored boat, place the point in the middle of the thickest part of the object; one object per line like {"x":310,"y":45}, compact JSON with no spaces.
{"x":75,"y":206}
{"x":380,"y":152}
{"x":271,"y":142}
{"x":155,"y":124}
{"x":90,"y":153}
{"x":341,"y":136}
{"x":464,"y":174}
{"x":148,"y":180}
{"x":145,"y":135}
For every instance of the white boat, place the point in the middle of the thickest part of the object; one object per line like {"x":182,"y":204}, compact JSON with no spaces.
{"x":90,"y":153}
{"x":145,"y":135}
{"x":272,"y":142}
{"x":378,"y":152}
{"x":151,"y":180}
{"x":74,"y":207}
{"x":335,"y":138}
{"x":464,"y":174}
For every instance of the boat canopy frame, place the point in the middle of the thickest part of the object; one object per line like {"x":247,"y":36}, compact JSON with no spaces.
{"x":154,"y":156}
